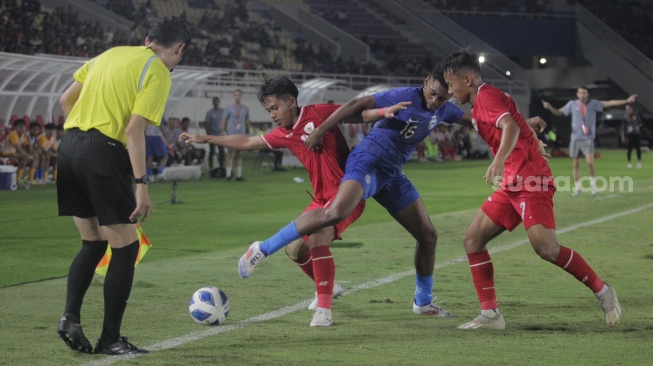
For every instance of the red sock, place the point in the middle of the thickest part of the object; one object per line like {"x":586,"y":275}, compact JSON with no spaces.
{"x":575,"y":265}
{"x":324,"y":269}
{"x":480,"y":264}
{"x":306,"y":264}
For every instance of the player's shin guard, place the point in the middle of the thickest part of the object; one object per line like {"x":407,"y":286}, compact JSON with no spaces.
{"x":574,"y":264}
{"x":306,"y":264}
{"x":423,"y":290}
{"x":279,"y":240}
{"x":324,"y":269}
{"x":482,"y":269}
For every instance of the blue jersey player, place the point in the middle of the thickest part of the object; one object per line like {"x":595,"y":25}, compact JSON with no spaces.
{"x":373,"y":169}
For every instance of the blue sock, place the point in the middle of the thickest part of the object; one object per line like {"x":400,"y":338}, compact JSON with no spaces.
{"x":279,"y":240}
{"x":161,"y":169}
{"x":423,"y":289}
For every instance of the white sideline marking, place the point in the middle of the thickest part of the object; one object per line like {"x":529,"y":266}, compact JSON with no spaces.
{"x":172,"y":343}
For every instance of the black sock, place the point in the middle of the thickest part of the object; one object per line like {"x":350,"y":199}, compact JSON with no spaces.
{"x":80,"y":276}
{"x":117,"y":287}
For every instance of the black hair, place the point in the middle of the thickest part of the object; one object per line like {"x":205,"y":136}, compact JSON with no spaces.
{"x":169,"y":30}
{"x":18,"y":122}
{"x":463,"y":59}
{"x":438,"y":74}
{"x":185,"y":119}
{"x":34,"y":124}
{"x":49,"y":126}
{"x":59,"y":127}
{"x":279,"y":87}
{"x":583,"y":87}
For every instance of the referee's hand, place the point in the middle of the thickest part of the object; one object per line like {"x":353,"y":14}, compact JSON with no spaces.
{"x":143,"y":204}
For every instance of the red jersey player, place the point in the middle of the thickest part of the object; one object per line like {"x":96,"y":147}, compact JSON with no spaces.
{"x":525,"y":193}
{"x":278,"y":96}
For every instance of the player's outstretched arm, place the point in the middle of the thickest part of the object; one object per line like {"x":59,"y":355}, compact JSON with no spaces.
{"x":236,"y":142}
{"x":347,"y":111}
{"x":549,"y":107}
{"x":536,"y":123}
{"x":466,"y":120}
{"x":373,"y":115}
{"x":619,"y":102}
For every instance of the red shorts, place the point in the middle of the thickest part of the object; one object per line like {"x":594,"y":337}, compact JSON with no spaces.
{"x":340,"y":228}
{"x":507,"y":209}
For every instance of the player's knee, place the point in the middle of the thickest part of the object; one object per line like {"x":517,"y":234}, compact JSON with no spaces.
{"x":334,"y":215}
{"x":471,"y":243}
{"x":546,"y":252}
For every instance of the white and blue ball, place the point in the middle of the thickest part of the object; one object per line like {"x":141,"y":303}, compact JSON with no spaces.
{"x":209,"y":306}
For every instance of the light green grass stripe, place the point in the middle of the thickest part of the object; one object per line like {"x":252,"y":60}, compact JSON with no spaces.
{"x":175,"y":342}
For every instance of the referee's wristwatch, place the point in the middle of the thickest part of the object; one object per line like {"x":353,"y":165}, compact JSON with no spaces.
{"x":143,"y":180}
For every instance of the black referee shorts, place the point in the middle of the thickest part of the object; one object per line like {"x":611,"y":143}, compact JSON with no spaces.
{"x":94,"y":178}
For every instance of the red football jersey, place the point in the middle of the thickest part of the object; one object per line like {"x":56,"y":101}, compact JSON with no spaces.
{"x":325,"y":168}
{"x":525,"y":167}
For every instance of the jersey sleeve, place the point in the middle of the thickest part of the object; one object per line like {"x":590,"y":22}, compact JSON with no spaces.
{"x":151,"y":99}
{"x":82,"y":72}
{"x":493,"y":107}
{"x":451,"y":113}
{"x":324,"y":111}
{"x":598,"y":105}
{"x":566,"y":110}
{"x":391,"y":97}
{"x":275,"y":139}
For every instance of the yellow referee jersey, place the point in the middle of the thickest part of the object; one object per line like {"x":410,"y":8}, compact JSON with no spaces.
{"x":116,"y":84}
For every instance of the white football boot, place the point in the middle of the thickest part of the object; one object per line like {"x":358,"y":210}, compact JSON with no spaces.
{"x":322,"y":318}
{"x":250,"y":260}
{"x":611,"y":307}
{"x":486,"y":322}
{"x":430,"y":309}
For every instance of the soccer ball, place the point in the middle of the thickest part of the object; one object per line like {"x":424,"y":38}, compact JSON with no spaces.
{"x":209,"y":306}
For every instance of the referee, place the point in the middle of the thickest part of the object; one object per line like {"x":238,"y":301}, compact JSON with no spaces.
{"x":112,"y":99}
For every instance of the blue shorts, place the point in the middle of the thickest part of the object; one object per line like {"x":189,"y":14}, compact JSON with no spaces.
{"x":385,"y":182}
{"x":154,"y":146}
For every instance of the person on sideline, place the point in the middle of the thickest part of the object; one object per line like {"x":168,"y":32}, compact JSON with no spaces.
{"x":235,"y":121}
{"x":632,"y":129}
{"x":525,"y":193}
{"x":17,"y":146}
{"x":213,"y":125}
{"x":583,"y":129}
{"x":278,"y":96}
{"x":113,"y":98}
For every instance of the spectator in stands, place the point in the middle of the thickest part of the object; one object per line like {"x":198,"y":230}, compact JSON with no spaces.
{"x":213,"y":126}
{"x":190,"y":154}
{"x":35,"y":173}
{"x":583,"y":129}
{"x":235,"y":121}
{"x":632,"y":129}
{"x":47,"y":144}
{"x":155,"y":149}
{"x":17,"y":146}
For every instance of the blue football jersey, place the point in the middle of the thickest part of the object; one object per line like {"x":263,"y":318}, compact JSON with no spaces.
{"x":395,"y":139}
